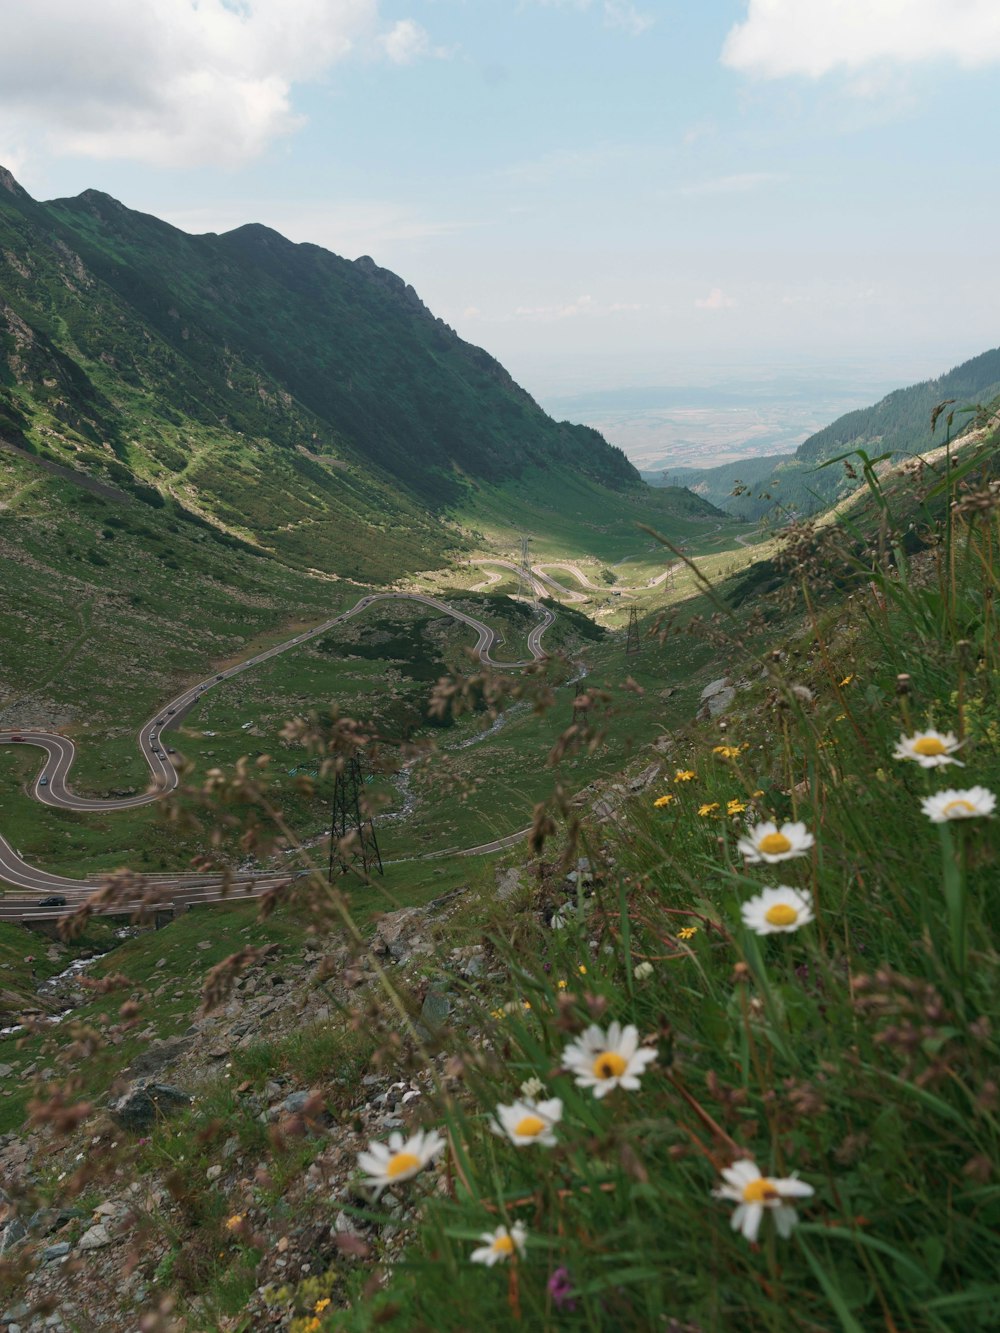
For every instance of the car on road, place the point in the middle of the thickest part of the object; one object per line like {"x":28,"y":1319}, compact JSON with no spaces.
{"x":218,"y":677}
{"x":56,"y":900}
{"x":171,"y":710}
{"x":43,"y":782}
{"x":17,"y":738}
{"x":160,"y":721}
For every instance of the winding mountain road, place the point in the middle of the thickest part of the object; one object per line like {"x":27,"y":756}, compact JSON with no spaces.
{"x":51,"y":786}
{"x":541,"y":582}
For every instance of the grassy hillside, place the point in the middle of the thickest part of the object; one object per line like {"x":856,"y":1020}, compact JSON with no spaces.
{"x":309,"y":405}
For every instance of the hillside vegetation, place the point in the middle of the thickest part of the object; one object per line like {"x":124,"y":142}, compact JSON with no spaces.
{"x":309,"y":405}
{"x":900,"y":425}
{"x":717,"y":1050}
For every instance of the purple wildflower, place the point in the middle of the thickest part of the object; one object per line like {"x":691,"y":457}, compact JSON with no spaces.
{"x":560,"y":1286}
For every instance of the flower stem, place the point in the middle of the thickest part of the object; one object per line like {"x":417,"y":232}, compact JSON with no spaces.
{"x":953,"y":881}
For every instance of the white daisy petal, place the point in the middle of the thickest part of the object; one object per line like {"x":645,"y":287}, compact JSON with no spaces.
{"x":607,"y":1060}
{"x":528,"y":1121}
{"x":755,"y":1195}
{"x":785,"y":1218}
{"x":401,"y":1160}
{"x":502,"y":1244}
{"x":777,"y":910}
{"x":766,"y":842}
{"x":752,"y":1219}
{"x":972,"y":803}
{"x":930,"y":749}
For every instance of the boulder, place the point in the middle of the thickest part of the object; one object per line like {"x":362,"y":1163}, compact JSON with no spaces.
{"x":96,"y":1238}
{"x":158,"y":1054}
{"x":400,"y":934}
{"x":435,"y":1010}
{"x":145,"y":1103}
{"x":12,"y":1234}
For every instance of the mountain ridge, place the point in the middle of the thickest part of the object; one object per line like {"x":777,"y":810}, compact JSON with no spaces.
{"x":273,"y":388}
{"x":898,"y":424}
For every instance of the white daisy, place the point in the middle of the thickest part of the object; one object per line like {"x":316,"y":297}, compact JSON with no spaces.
{"x":528,"y":1121}
{"x":752,"y":1193}
{"x":930,"y":748}
{"x":777,"y":910}
{"x":769,"y":843}
{"x":501,"y":1245}
{"x":604,"y":1061}
{"x":968,"y":804}
{"x":389,"y":1164}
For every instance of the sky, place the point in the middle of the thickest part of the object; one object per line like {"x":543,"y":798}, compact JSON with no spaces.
{"x":602,"y":193}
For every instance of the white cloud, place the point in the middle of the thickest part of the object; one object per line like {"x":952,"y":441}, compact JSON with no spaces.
{"x":616,"y":13}
{"x":582,"y":306}
{"x":175,"y":82}
{"x":405,"y":42}
{"x":735,"y":184}
{"x":813,"y":37}
{"x":715,"y":300}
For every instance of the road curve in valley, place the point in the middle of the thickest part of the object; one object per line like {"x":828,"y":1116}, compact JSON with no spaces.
{"x":543,"y":585}
{"x":51,"y":786}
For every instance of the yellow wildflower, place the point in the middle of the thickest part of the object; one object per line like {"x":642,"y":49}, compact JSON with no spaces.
{"x":847,"y":680}
{"x":685,"y":775}
{"x":758,"y":792}
{"x":687,"y":933}
{"x":233,"y":1222}
{"x":727,"y":751}
{"x":562,"y":984}
{"x":735,"y":807}
{"x":661,"y":801}
{"x":320,"y":1306}
{"x":707,"y":808}
{"x":582,"y":970}
{"x":311,"y":1325}
{"x":840,"y":717}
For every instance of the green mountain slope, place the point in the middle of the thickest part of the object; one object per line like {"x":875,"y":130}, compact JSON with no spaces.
{"x":898,"y":425}
{"x":309,"y":405}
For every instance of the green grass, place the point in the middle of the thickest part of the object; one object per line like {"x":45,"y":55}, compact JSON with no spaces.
{"x":568,"y":516}
{"x":857,"y":1052}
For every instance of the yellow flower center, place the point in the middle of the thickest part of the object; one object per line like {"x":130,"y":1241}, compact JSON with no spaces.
{"x":967,"y":806}
{"x":503,"y":1245}
{"x":760,"y":1190}
{"x":400,"y":1162}
{"x":929,"y":745}
{"x":774,"y":843}
{"x":781,"y":914}
{"x":529,"y":1126}
{"x":609,"y":1064}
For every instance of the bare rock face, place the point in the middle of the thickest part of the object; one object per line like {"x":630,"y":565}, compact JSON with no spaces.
{"x":96,"y":1238}
{"x":716,"y":697}
{"x":158,"y":1054}
{"x":400,"y":934}
{"x":145,"y":1103}
{"x":12,"y":1229}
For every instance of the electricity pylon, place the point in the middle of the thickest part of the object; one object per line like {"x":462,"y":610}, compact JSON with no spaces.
{"x":347,"y":822}
{"x":526,"y":578}
{"x":632,"y":639}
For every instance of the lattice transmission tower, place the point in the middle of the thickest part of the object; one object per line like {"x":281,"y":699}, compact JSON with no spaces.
{"x":632,"y":638}
{"x":353,"y":844}
{"x":527,"y":581}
